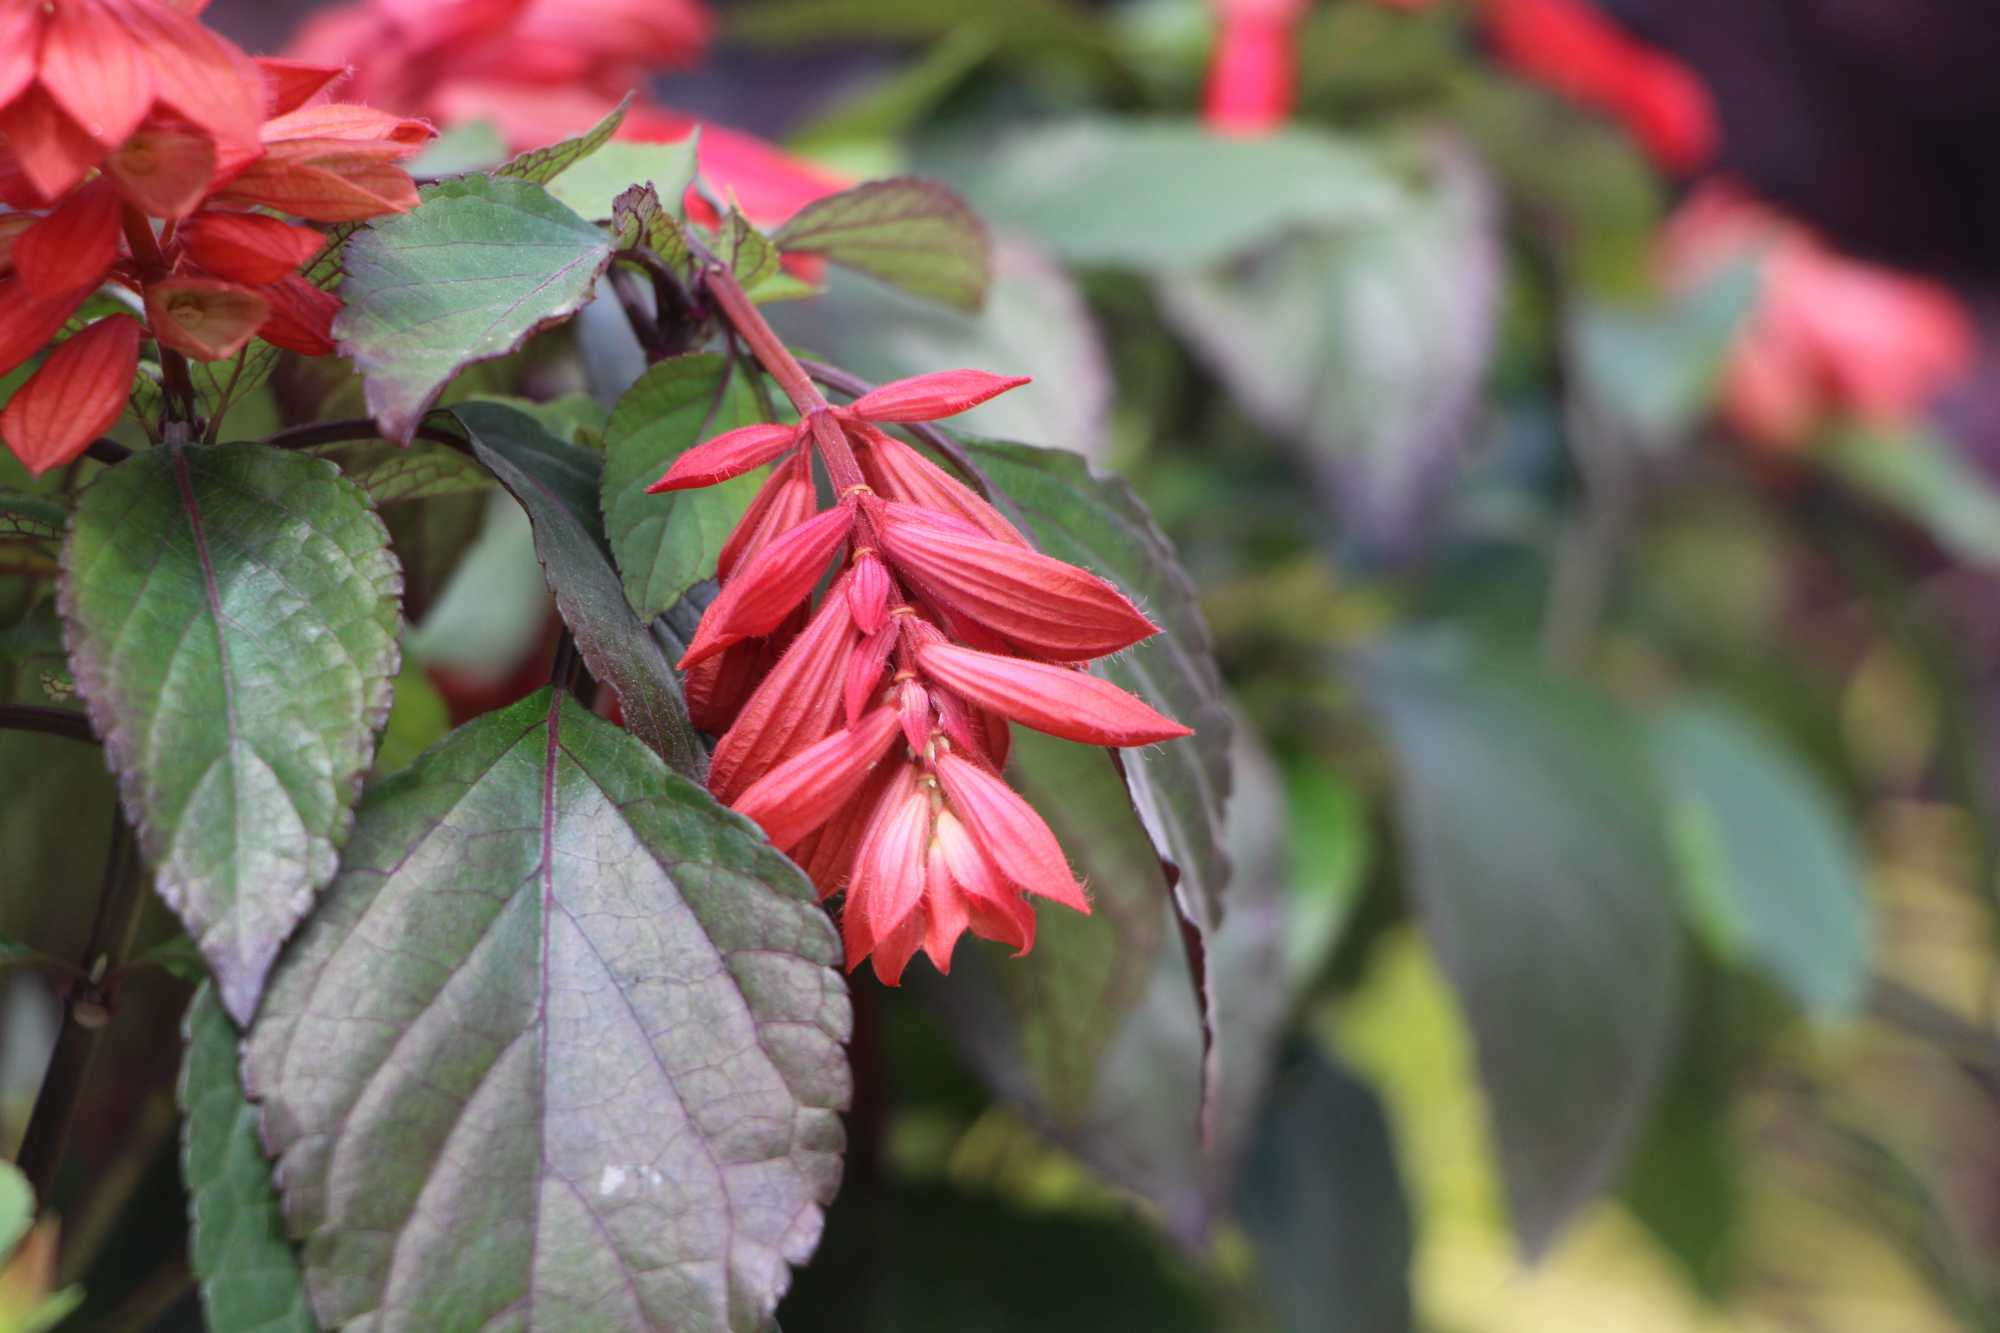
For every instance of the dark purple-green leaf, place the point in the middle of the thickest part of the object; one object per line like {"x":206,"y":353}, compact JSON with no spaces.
{"x":561,"y":1048}
{"x":231,"y":617}
{"x":558,"y":484}
{"x":914,"y":234}
{"x":470,"y":274}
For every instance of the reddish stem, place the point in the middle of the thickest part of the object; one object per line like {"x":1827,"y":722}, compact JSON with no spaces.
{"x":151,"y":263}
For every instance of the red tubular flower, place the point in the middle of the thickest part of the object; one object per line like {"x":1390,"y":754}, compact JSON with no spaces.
{"x":1571,"y":47}
{"x":1251,"y":75}
{"x":872,"y":750}
{"x":332,"y":163}
{"x":77,"y":77}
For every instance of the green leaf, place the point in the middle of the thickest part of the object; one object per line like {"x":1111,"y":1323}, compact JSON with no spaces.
{"x":1035,"y":322}
{"x":232,"y":620}
{"x":17,"y":1207}
{"x":1768,"y":868}
{"x":560,"y":1050}
{"x":473,"y":146}
{"x":19,"y":955}
{"x":1653,"y":370}
{"x":748,"y":252}
{"x":477,"y":268}
{"x":592,"y":187}
{"x":1162,"y":194}
{"x":1325,"y":1205}
{"x":912,"y":234}
{"x":1368,"y":345}
{"x":639,"y":218}
{"x":248,"y":1273}
{"x":423,"y":469}
{"x":1924,"y":477}
{"x":177,"y":956}
{"x":1012,"y":23}
{"x":418,"y":719}
{"x":1527,"y":819}
{"x":899,"y":104}
{"x":1181,"y":788}
{"x":541,"y":165}
{"x":665,"y":544}
{"x":430,"y":538}
{"x":31,"y":518}
{"x":558,"y":485}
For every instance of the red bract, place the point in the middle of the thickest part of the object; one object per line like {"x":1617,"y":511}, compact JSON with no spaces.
{"x":1252,"y":72}
{"x":1829,"y":336}
{"x":77,"y":78}
{"x":872,"y":750}
{"x":74,"y":397}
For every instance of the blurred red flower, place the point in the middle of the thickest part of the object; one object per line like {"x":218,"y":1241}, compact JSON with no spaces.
{"x":1830,"y":336}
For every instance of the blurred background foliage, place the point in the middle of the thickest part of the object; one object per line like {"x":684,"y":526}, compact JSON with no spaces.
{"x":1579,"y":422}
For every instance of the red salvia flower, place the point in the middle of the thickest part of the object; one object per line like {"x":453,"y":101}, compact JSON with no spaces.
{"x":78,"y":77}
{"x":871,"y":749}
{"x":1252,"y":72}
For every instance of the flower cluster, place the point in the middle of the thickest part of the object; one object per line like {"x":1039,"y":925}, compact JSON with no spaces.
{"x":867,"y":734}
{"x":1565,"y":44}
{"x":137,"y":149}
{"x":542,"y":69}
{"x":1829,"y":336}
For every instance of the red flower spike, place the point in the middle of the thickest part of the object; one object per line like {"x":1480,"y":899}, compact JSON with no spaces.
{"x":806,"y":790}
{"x":868,"y":593}
{"x":206,"y":319}
{"x":76,"y":396}
{"x":333,"y":163}
{"x":1052,"y":609}
{"x":74,"y":246}
{"x":248,"y":247}
{"x":94,"y":70}
{"x":1074,"y":705}
{"x":28,"y":322}
{"x":968,"y":730}
{"x":864,"y":670}
{"x":730,"y":454}
{"x":290,"y":84}
{"x":785,"y":500}
{"x":1251,"y":75}
{"x":1009,"y":832}
{"x":898,"y":472}
{"x":942,"y":393}
{"x":165,"y":168}
{"x":795,"y":705}
{"x":301,"y":318}
{"x":828,"y":855}
{"x":770,"y":583}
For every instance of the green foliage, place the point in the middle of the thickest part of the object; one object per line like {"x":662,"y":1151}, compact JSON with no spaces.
{"x":592,"y":185}
{"x":232,"y":621}
{"x":541,"y":165}
{"x":909,"y":233}
{"x":665,"y":544}
{"x":558,"y":485}
{"x":559,"y":1016}
{"x":480,"y":265}
{"x":248,"y":1274}
{"x":1769,"y":870}
{"x":1160,"y":194}
{"x":1527,"y":817}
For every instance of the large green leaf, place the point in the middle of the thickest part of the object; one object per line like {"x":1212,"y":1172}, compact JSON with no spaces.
{"x":1322,"y":1200}
{"x":592,"y":185}
{"x":665,"y":544}
{"x":909,"y":233}
{"x":479,"y":266}
{"x":1367,"y":345}
{"x":539,"y":166}
{"x":1153,"y":194}
{"x":248,"y":1273}
{"x":1181,"y":788}
{"x":1768,"y":867}
{"x":560,"y":1050}
{"x":558,"y":484}
{"x":1528,"y":823}
{"x":231,"y":616}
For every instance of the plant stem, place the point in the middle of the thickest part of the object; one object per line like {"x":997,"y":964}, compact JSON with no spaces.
{"x":350,"y":430}
{"x":152,"y":265}
{"x":107,"y":451}
{"x":840,"y":381}
{"x":644,"y":327}
{"x":121,"y":901}
{"x":47,"y":721}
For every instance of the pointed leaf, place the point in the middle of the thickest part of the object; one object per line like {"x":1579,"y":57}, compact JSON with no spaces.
{"x":1527,"y":813}
{"x":248,"y":1273}
{"x":1768,"y":868}
{"x":231,"y":618}
{"x":539,"y":166}
{"x":748,"y":252}
{"x":561,"y":1050}
{"x":913,"y":234}
{"x":558,"y":484}
{"x":665,"y":544}
{"x":470,"y":274}
{"x":592,"y":187}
